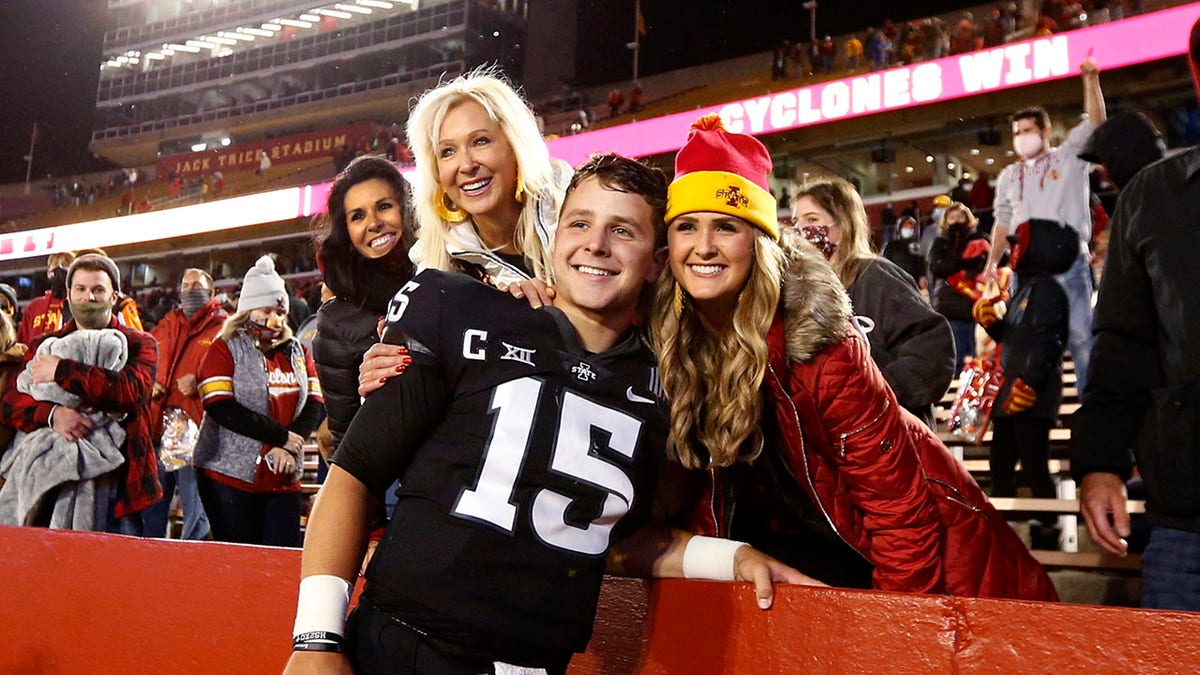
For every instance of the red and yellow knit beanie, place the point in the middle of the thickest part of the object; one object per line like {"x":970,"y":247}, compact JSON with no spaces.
{"x":723,"y":172}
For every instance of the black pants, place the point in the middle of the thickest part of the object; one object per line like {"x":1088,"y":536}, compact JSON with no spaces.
{"x":1027,"y":438}
{"x":379,"y":644}
{"x":244,"y":517}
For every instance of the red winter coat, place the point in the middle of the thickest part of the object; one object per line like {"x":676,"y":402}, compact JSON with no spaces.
{"x":182,"y":343}
{"x":884,"y":480}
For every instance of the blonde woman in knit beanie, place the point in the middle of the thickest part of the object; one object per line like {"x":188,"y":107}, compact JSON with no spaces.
{"x":775,"y":397}
{"x":261,"y":402}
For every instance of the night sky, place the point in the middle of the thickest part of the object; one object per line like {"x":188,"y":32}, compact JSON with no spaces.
{"x":49,"y":66}
{"x":50,"y":51}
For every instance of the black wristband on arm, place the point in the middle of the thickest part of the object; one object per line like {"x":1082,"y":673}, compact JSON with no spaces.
{"x":319,"y":641}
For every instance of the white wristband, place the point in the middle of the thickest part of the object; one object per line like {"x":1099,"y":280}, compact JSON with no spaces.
{"x":322,"y":604}
{"x":710,"y":558}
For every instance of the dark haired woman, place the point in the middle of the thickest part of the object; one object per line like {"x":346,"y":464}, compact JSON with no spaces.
{"x":363,"y":245}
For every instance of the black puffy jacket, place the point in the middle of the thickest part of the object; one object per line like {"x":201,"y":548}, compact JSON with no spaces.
{"x":345,"y":332}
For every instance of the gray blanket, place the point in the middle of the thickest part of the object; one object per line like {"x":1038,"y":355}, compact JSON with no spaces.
{"x":43,"y":460}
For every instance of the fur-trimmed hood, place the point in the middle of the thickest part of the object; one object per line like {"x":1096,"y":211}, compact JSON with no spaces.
{"x":816,"y":308}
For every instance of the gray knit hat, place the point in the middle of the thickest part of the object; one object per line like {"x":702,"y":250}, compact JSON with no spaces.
{"x":93,"y":260}
{"x":262,"y":288}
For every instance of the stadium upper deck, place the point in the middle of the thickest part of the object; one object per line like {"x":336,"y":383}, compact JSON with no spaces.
{"x":931,"y":116}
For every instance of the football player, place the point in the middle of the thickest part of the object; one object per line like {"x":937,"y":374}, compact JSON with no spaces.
{"x":527,"y":445}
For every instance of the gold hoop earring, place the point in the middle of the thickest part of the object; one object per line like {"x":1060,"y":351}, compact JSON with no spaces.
{"x":520,"y":195}
{"x":450,"y":214}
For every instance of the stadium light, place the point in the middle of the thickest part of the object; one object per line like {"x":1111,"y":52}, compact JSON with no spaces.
{"x":294,"y":23}
{"x":358,"y":9}
{"x":184,"y":48}
{"x":256,"y":31}
{"x":272,"y":27}
{"x":335,"y":13}
{"x":219,"y":40}
{"x":199,"y":147}
{"x":237,"y":36}
{"x":378,"y":4}
{"x":309,"y":17}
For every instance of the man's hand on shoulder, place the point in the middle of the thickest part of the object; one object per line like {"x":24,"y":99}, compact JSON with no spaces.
{"x":382,"y":361}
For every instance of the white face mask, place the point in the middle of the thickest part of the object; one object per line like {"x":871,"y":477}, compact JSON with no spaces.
{"x":1028,"y":145}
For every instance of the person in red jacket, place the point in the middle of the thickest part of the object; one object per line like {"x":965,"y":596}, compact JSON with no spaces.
{"x":45,"y":314}
{"x":183,"y":335}
{"x":775,"y":395}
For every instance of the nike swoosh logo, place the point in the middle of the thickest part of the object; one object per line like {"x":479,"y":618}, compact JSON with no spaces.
{"x":637,"y":399}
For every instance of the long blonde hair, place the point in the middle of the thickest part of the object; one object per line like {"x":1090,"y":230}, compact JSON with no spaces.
{"x":712,"y":379}
{"x":841,"y":200}
{"x":487,"y":87}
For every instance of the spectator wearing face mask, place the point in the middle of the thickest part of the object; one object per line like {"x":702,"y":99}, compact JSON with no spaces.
{"x":79,"y":384}
{"x":910,"y":342}
{"x":49,"y":312}
{"x":1052,"y":184}
{"x":261,"y":401}
{"x":183,"y":335}
{"x":126,"y":307}
{"x":956,"y":259}
{"x":905,"y":252}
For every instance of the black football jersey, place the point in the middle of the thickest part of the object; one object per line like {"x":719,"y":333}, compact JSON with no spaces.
{"x":527,"y":457}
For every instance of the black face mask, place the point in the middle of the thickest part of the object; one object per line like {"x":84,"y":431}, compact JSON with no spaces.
{"x":58,"y":282}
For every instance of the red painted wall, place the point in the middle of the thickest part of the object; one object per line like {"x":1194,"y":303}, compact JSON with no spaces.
{"x":86,"y":603}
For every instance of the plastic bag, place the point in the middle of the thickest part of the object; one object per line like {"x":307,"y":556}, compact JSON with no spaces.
{"x":978,"y":385}
{"x":178,"y":439}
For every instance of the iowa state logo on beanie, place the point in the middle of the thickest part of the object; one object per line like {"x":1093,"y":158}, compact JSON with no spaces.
{"x":723,"y":172}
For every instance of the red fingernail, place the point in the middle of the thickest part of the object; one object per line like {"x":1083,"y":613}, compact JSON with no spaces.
{"x":382,"y":380}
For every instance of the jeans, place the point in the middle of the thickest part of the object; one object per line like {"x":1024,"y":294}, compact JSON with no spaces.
{"x":106,"y":502}
{"x":1077,"y":282}
{"x":964,"y":340}
{"x":1171,"y":570}
{"x":195,"y":520}
{"x":244,"y":517}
